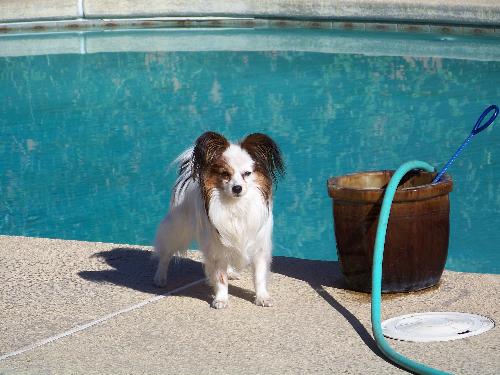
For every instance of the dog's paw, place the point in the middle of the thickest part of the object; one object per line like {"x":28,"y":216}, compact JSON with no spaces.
{"x":264,"y":301}
{"x":219,"y":303}
{"x":160,"y":279}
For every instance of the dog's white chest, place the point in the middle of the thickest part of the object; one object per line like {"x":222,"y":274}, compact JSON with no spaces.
{"x":239,"y":223}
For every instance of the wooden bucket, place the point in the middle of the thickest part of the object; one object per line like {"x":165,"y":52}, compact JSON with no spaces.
{"x":416,"y":244}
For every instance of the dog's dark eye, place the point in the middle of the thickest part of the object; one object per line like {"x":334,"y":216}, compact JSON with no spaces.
{"x":246,"y":174}
{"x":225,"y":175}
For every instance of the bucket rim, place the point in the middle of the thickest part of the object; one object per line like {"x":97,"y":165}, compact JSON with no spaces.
{"x":375,"y":195}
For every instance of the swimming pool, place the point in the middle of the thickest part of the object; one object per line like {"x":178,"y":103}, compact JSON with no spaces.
{"x":86,"y":137}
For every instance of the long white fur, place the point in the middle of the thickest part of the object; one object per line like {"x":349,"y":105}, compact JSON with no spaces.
{"x":236,"y":233}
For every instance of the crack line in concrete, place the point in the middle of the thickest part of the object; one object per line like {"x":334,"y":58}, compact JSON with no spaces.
{"x":85,"y":326}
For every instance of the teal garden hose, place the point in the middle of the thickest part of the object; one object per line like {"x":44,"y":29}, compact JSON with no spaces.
{"x":378,"y":255}
{"x":378,"y":251}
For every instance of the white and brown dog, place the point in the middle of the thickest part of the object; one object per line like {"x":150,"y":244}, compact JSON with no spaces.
{"x":223,"y":199}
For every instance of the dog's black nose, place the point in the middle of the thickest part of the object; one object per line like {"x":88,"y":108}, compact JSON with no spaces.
{"x":237,"y":189}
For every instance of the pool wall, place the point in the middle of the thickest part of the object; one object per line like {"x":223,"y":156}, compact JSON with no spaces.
{"x":168,"y":40}
{"x":74,"y":19}
{"x":480,"y":15}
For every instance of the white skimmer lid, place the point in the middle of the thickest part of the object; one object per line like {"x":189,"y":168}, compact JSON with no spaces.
{"x":435,"y":326}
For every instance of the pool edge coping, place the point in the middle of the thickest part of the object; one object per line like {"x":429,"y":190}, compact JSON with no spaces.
{"x":93,"y":24}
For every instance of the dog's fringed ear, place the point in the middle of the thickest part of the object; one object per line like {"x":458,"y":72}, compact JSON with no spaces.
{"x":208,"y":147}
{"x":266,"y":154}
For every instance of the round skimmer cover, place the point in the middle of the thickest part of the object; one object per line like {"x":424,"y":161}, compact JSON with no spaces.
{"x":435,"y":326}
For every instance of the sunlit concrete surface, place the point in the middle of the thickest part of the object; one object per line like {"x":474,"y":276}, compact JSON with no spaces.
{"x":49,"y":287}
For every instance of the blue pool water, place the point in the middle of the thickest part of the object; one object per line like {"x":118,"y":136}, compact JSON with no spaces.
{"x":86,"y":138}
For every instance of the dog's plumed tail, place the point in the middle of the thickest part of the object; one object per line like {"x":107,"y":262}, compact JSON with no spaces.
{"x":184,"y":163}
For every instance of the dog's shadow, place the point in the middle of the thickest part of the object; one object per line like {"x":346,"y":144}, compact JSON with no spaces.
{"x":134,"y":268}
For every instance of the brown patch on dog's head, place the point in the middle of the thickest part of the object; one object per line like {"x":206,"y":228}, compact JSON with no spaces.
{"x":214,"y":178}
{"x":208,"y":149}
{"x":269,"y":163}
{"x":209,"y":167}
{"x":264,"y":184}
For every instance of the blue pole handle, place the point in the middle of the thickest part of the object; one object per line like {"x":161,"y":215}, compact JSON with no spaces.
{"x":478,"y":127}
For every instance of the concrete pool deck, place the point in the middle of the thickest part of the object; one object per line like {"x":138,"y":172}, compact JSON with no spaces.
{"x":482,"y":12}
{"x":124,"y":325}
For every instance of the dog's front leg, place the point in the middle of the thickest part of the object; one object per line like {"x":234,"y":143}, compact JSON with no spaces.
{"x":219,"y":280}
{"x":261,"y":266}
